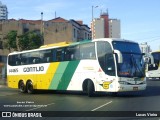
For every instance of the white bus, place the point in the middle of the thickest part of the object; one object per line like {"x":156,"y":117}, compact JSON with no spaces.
{"x":153,"y":70}
{"x":107,"y":65}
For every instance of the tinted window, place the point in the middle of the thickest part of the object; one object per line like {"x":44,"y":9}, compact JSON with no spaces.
{"x":87,"y":51}
{"x":77,"y":52}
{"x":156,"y":56}
{"x":14,"y":60}
{"x":105,"y":57}
{"x":126,"y":47}
{"x":72,"y":53}
{"x":46,"y":56}
{"x":59,"y":54}
{"x":33,"y":58}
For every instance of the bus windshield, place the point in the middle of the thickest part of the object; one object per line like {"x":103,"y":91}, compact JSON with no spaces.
{"x":133,"y":64}
{"x":156,"y":56}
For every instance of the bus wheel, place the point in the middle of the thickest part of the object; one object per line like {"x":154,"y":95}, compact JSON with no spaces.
{"x":30,"y":89}
{"x":22,"y":87}
{"x":90,"y":88}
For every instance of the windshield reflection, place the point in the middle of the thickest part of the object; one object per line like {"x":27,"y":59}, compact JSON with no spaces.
{"x":132,"y":66}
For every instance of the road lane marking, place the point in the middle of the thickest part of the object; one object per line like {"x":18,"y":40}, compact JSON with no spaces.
{"x":7,"y":94}
{"x":39,"y":107}
{"x":101,"y":106}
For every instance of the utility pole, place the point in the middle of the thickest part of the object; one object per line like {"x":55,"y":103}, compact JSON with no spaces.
{"x":55,"y":15}
{"x":42,"y":28}
{"x":41,"y":22}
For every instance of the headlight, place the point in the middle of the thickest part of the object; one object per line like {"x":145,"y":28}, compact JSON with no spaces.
{"x":123,"y":82}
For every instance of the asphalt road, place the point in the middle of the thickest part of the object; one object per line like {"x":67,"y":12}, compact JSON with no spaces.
{"x":130,"y":105}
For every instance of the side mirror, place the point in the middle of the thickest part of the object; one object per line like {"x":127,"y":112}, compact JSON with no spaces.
{"x":149,"y":56}
{"x":146,"y":60}
{"x":119,"y":54}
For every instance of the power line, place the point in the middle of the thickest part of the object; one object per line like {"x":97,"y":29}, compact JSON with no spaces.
{"x":150,"y":39}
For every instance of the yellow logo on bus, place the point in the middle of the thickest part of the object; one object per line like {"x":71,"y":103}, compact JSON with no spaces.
{"x":106,"y":85}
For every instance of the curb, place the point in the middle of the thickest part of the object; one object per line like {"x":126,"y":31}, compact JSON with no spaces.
{"x":3,"y":83}
{"x":3,"y":86}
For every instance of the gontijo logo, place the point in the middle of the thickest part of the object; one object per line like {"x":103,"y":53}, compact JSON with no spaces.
{"x":33,"y":69}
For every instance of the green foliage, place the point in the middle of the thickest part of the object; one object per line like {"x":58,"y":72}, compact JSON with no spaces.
{"x":26,"y":41}
{"x":29,"y":40}
{"x":11,"y":40}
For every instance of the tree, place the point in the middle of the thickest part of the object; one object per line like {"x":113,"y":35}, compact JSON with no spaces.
{"x":29,"y":40}
{"x":11,"y":40}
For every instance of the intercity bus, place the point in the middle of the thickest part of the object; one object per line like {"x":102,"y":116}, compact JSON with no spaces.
{"x":100,"y":65}
{"x":153,"y":70}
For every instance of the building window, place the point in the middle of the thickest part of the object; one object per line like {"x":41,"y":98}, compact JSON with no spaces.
{"x":1,"y":45}
{"x":85,"y":35}
{"x":74,"y":33}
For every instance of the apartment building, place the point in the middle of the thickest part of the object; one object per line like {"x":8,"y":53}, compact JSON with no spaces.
{"x":114,"y":28}
{"x":3,"y":12}
{"x":98,"y":29}
{"x":104,"y":27}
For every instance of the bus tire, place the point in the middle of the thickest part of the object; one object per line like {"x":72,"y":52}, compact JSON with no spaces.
{"x":90,"y":88}
{"x":21,"y":86}
{"x":30,"y":89}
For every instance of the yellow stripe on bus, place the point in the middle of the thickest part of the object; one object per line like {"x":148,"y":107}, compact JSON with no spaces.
{"x":40,"y":81}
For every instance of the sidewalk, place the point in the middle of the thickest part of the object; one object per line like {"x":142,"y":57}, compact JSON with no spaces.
{"x":3,"y":83}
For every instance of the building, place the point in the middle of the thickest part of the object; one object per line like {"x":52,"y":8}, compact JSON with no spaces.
{"x":98,"y":28}
{"x":145,"y":48}
{"x":53,"y":31}
{"x":59,"y":30}
{"x":114,"y":28}
{"x":105,"y":17}
{"x":3,"y":12}
{"x":104,"y":27}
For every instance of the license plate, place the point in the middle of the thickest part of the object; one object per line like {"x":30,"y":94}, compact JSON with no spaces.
{"x":135,"y":88}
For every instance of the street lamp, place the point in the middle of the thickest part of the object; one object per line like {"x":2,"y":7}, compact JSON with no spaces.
{"x":92,"y":11}
{"x":92,"y":28}
{"x":42,"y":28}
{"x":41,"y":22}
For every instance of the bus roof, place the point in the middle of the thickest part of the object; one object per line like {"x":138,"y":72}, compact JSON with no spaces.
{"x":158,"y":51}
{"x":114,"y":39}
{"x":56,"y":44}
{"x":50,"y":46}
{"x":63,"y":44}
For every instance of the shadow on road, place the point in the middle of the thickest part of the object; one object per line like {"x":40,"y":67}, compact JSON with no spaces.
{"x":150,"y":91}
{"x":153,"y":89}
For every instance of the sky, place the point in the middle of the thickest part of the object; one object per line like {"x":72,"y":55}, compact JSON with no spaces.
{"x":140,"y":19}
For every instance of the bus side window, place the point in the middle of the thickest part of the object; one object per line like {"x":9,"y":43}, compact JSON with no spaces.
{"x":13,"y":60}
{"x":59,"y":54}
{"x":17,"y":62}
{"x":87,"y":51}
{"x":45,"y":56}
{"x":36,"y":61}
{"x":17,"y":59}
{"x":105,"y":57}
{"x":54,"y":55}
{"x":72,"y":53}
